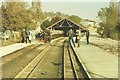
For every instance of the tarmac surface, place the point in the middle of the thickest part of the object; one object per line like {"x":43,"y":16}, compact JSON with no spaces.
{"x":98,"y":62}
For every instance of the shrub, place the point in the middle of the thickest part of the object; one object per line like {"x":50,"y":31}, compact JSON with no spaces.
{"x":114,"y":34}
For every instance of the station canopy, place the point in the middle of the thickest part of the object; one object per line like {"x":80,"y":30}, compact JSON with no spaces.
{"x":66,"y":24}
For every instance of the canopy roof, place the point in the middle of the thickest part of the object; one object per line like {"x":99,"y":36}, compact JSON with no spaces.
{"x":66,"y":24}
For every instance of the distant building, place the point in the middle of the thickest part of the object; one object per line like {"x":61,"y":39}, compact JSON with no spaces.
{"x":88,"y":23}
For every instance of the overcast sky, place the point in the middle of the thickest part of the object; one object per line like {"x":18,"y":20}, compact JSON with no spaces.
{"x":87,"y":10}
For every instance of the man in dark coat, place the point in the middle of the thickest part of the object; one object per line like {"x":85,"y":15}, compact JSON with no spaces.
{"x":87,"y":36}
{"x":23,"y":35}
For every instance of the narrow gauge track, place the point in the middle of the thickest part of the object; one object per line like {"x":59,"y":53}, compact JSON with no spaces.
{"x":72,"y":67}
{"x":12,"y":67}
{"x":28,"y":70}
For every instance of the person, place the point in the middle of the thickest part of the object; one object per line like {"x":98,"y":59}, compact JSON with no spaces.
{"x":27,"y":35}
{"x":23,"y":35}
{"x":43,"y":35}
{"x":78,"y":34}
{"x":30,"y":36}
{"x":87,"y":36}
{"x":70,"y":34}
{"x":33,"y":36}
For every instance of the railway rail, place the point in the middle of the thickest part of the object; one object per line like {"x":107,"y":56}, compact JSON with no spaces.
{"x":17,"y":53}
{"x":72,"y":66}
{"x":31,"y":66}
{"x":16,"y":64}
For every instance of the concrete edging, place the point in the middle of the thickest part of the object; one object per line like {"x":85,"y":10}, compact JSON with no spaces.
{"x":80,"y":61}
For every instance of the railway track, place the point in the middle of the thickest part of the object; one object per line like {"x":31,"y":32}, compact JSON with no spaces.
{"x":72,"y":67}
{"x":17,"y":53}
{"x":28,"y":70}
{"x":43,"y":61}
{"x":12,"y":67}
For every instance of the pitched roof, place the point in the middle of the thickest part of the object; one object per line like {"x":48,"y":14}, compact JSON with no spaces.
{"x":68,"y":22}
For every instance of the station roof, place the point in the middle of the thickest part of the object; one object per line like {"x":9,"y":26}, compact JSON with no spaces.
{"x":66,"y":24}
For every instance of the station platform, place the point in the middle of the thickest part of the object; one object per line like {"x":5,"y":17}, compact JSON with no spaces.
{"x":17,"y":46}
{"x":14,"y":47}
{"x":98,"y":62}
{"x":11,"y":48}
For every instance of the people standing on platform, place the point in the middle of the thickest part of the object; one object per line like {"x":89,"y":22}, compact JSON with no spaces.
{"x":23,"y":35}
{"x":43,"y":35}
{"x":27,"y":36}
{"x":78,"y":35}
{"x":71,"y":34}
{"x":87,"y":36}
{"x":30,"y":36}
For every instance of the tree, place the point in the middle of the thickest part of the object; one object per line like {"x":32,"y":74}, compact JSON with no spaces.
{"x":109,"y":20}
{"x":36,"y":8}
{"x":19,"y":15}
{"x":48,"y":22}
{"x":55,"y":19}
{"x":11,"y":15}
{"x":75,"y":18}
